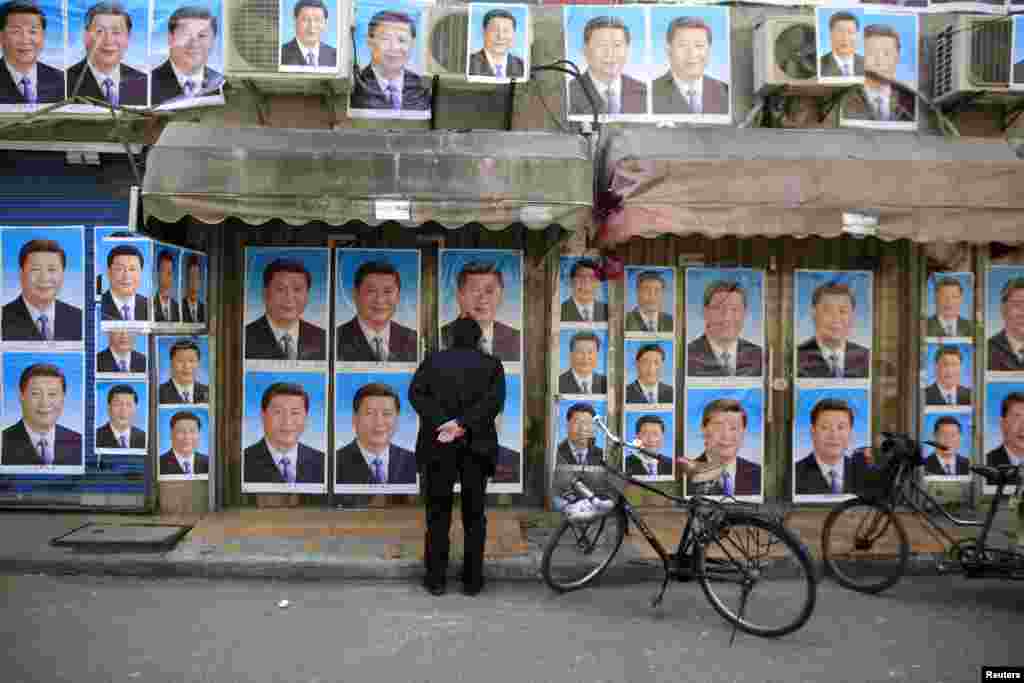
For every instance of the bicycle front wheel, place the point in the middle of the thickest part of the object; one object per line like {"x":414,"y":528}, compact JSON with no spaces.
{"x":579,"y":553}
{"x":864,"y":546}
{"x":758,"y":576}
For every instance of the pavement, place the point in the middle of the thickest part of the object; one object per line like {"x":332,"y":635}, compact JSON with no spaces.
{"x":381,"y":543}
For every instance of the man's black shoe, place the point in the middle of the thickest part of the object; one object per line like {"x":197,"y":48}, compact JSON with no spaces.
{"x":434,"y":588}
{"x":472,"y":589}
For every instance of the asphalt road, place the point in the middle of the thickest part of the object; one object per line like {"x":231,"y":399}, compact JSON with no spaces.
{"x":121,"y":629}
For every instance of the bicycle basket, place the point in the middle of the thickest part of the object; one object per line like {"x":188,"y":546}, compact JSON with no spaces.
{"x":878,"y":481}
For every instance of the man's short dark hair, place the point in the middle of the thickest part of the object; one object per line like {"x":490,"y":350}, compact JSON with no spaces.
{"x":42,"y":245}
{"x":185,"y":415}
{"x":605,"y":21}
{"x":285,"y":265}
{"x":723,"y":405}
{"x":842,"y":16}
{"x":650,"y":420}
{"x":947,"y":281}
{"x":125,"y":389}
{"x":190,"y":12}
{"x":479,"y":268}
{"x":312,"y":4}
{"x":184,"y":345}
{"x":376,"y":268}
{"x":584,"y":263}
{"x":833,"y":288}
{"x":947,"y":350}
{"x":650,"y":275}
{"x":830,"y":404}
{"x":723,"y":286}
{"x":580,"y":408}
{"x":283,"y":389}
{"x":947,"y":420}
{"x":375,"y":389}
{"x":1011,"y":398}
{"x":499,"y":14}
{"x":680,"y":23}
{"x":113,"y":8}
{"x":647,"y":348}
{"x":20,"y":7}
{"x":165,"y":255}
{"x":882,"y":31}
{"x":1010,"y":287}
{"x":41,"y":370}
{"x":585,"y":335}
{"x":390,"y":17}
{"x":125,"y":250}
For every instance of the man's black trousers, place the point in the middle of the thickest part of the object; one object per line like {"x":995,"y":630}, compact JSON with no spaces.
{"x":440,"y":478}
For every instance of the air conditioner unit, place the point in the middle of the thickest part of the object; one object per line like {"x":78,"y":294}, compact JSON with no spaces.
{"x":445,"y":49}
{"x":972,"y":60}
{"x":785,"y":55}
{"x":252,"y":45}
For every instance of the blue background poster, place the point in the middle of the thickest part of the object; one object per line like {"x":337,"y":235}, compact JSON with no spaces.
{"x":520,"y":47}
{"x":164,"y":417}
{"x":565,"y":337}
{"x":70,"y":239}
{"x":966,"y":362}
{"x":858,"y":281}
{"x":328,"y":37}
{"x":966,"y":281}
{"x":509,"y":262}
{"x":159,"y":47}
{"x":698,"y":280}
{"x":964,"y":419}
{"x":565,"y":266}
{"x":144,"y":245}
{"x":141,"y":389}
{"x":163,"y":354}
{"x":668,"y":290}
{"x":717,"y":18}
{"x":257,"y":259}
{"x":345,"y":387}
{"x":858,"y":399}
{"x":405,"y":261}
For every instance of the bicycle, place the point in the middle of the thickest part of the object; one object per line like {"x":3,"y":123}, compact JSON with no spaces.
{"x":874,"y":556}
{"x":729,"y":549}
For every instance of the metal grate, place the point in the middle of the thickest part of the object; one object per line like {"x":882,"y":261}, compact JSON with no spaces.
{"x":448,"y":38}
{"x":254,"y":29}
{"x":942,"y":79}
{"x":990,"y":52}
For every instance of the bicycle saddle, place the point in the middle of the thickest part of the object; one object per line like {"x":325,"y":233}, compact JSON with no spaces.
{"x":1000,"y":474}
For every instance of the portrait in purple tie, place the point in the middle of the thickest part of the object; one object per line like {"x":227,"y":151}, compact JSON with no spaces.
{"x":583,"y":361}
{"x":44,"y":412}
{"x":43,"y":285}
{"x":840,"y":44}
{"x":110,"y":36}
{"x":724,"y":323}
{"x":950,"y":305}
{"x":831,"y":442}
{"x":183,"y":369}
{"x":1004,"y":319}
{"x":650,"y":300}
{"x":890,"y":50}
{"x":1003,"y":436}
{"x":308,"y":35}
{"x":186,"y":48}
{"x":833,"y":319}
{"x":390,"y":85}
{"x":122,"y":413}
{"x":583,"y":291}
{"x":693,"y":81}
{"x":949,"y":374}
{"x":127,"y":265}
{"x":32,"y":38}
{"x":184,"y":443}
{"x":724,"y":452}
{"x":650,"y":372}
{"x":498,"y":47}
{"x":123,"y":352}
{"x":954,"y":431}
{"x":654,"y":431}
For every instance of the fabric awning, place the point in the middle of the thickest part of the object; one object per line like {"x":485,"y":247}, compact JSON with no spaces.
{"x":747,"y":182}
{"x":494,"y":178}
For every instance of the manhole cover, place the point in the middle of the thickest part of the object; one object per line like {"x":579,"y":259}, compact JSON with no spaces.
{"x":125,"y":537}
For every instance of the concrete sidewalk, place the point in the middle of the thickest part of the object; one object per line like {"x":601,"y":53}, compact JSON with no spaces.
{"x":310,"y":543}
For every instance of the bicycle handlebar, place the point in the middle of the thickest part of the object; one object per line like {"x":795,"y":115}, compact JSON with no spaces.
{"x":599,"y":421}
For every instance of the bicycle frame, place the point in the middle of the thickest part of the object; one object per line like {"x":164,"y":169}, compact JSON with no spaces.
{"x":908,"y":492}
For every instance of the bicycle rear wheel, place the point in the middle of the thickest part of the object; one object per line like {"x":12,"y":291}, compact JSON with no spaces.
{"x":579,"y":553}
{"x":758,"y":576}
{"x":864,"y":546}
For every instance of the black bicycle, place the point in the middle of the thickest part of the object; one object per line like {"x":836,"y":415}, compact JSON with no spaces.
{"x":865,"y":545}
{"x":755,"y":573}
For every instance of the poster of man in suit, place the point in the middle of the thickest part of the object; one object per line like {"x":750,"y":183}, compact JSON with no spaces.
{"x":183,"y":367}
{"x":194,"y":275}
{"x":833,"y":323}
{"x":109,"y":40}
{"x":127,"y":263}
{"x":508,"y":474}
{"x":1017,"y":53}
{"x":184,"y":446}
{"x":121,"y":352}
{"x":724,"y":453}
{"x":1004,"y":319}
{"x":890,"y":49}
{"x":44,"y":285}
{"x":655,"y":432}
{"x":166,"y":301}
{"x":955,"y":432}
{"x":284,"y":432}
{"x":831,"y":433}
{"x":611,"y":42}
{"x":1003,"y":438}
{"x":286,"y":305}
{"x":584,"y":293}
{"x":949,"y":373}
{"x":186,"y":54}
{"x":376,"y":307}
{"x":650,"y":372}
{"x":693,"y":81}
{"x":389,"y":36}
{"x":122,"y":415}
{"x":486,"y":285}
{"x":32,"y":38}
{"x":724,"y":322}
{"x":840,"y":44}
{"x":375,"y":433}
{"x":582,"y":361}
{"x":950,"y":303}
{"x":309,"y":36}
{"x":499,"y":43}
{"x":43,"y":413}
{"x":580,"y":443}
{"x":650,"y":300}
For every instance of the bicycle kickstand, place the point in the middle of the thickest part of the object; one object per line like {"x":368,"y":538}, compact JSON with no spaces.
{"x":656,"y":600}
{"x":743,"y":608}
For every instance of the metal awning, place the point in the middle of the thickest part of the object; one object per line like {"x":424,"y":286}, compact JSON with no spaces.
{"x":494,"y":178}
{"x":747,"y":182}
